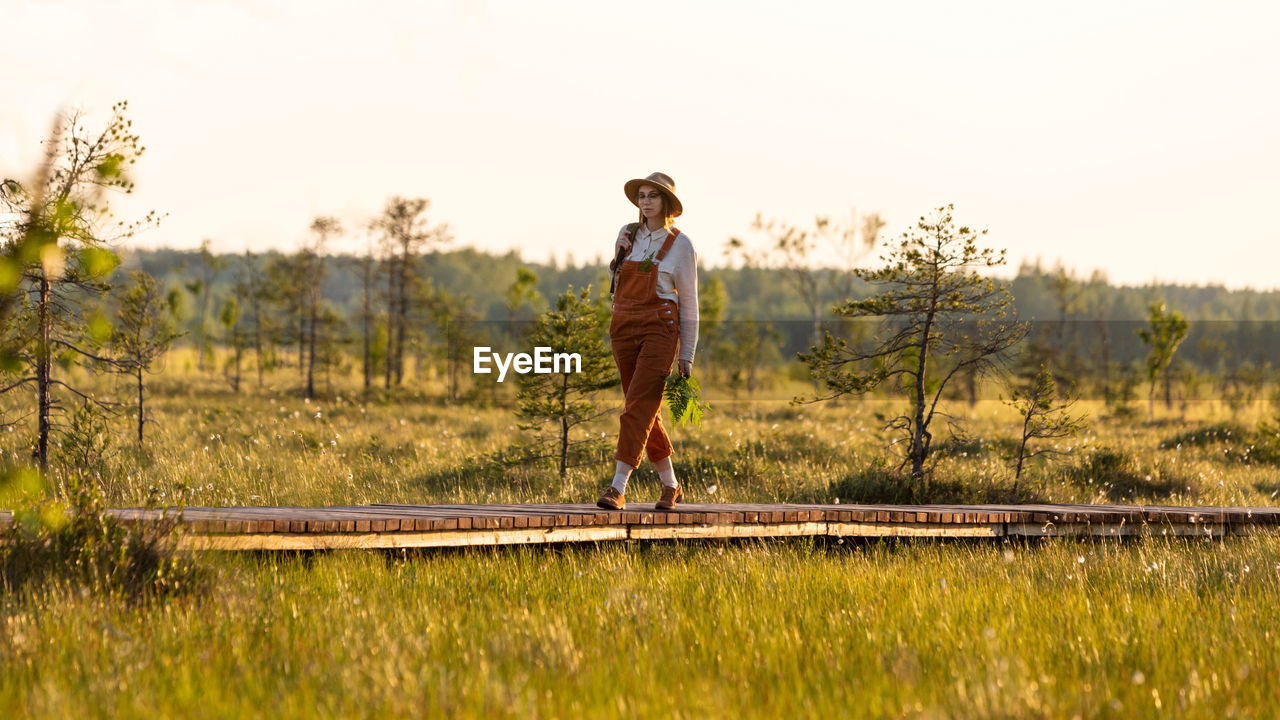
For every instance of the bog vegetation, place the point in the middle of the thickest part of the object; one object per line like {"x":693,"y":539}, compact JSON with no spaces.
{"x":172,"y":378}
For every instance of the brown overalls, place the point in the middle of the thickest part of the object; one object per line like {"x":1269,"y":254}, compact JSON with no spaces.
{"x":644,"y":332}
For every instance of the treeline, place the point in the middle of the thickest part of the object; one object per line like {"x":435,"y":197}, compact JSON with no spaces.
{"x":1087,"y":317}
{"x":1042,"y":294}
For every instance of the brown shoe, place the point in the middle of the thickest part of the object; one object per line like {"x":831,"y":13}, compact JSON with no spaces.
{"x":612,"y":499}
{"x":670,"y":496}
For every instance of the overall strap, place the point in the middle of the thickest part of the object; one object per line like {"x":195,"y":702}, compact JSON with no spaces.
{"x":671,"y":238}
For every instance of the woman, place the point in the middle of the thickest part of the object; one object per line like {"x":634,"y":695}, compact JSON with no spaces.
{"x":655,"y":308}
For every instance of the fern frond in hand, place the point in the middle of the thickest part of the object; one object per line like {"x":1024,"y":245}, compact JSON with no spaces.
{"x":684,"y":400}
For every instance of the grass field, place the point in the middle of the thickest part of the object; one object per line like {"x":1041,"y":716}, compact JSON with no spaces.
{"x":209,"y":446}
{"x":959,"y":630}
{"x":1051,"y":629}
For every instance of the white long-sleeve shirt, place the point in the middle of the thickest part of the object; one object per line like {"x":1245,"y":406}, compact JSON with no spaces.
{"x":677,"y":279}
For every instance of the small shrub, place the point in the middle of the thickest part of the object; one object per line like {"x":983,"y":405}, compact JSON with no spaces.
{"x":1264,"y":443}
{"x":1124,"y":413}
{"x":72,"y":538}
{"x":1205,"y":436}
{"x":879,"y":483}
{"x":1118,"y":475}
{"x":1250,"y":446}
{"x":958,"y":446}
{"x":78,"y":542}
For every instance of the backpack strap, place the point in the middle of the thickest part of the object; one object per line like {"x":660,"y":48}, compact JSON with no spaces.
{"x":616,"y":262}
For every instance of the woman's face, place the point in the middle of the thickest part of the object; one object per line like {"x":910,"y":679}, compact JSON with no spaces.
{"x":652,"y":203}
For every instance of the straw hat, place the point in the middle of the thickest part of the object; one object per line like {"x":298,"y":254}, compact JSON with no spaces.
{"x":659,"y":180}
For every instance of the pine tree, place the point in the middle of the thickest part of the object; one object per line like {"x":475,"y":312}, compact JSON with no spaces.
{"x":456,"y":321}
{"x":144,"y":330}
{"x":405,"y":234}
{"x":1045,"y":414}
{"x":251,"y":285}
{"x":523,"y":290}
{"x":56,"y":239}
{"x":554,"y":404}
{"x":313,"y":261}
{"x":1165,"y":331}
{"x":941,"y":318}
{"x":229,"y":319}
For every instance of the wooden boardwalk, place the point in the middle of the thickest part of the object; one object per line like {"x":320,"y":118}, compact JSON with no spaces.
{"x":413,"y":526}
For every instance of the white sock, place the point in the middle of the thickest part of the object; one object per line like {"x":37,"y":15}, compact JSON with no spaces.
{"x":666,"y":473}
{"x":620,"y":477}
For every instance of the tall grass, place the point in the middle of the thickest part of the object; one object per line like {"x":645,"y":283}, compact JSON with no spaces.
{"x":1052,"y":629}
{"x":958,"y":630}
{"x":209,"y":446}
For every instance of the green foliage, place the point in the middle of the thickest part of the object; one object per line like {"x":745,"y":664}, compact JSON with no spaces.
{"x":713,"y":300}
{"x":1258,"y":445}
{"x":939,"y":317}
{"x":1097,"y":324}
{"x":1121,"y":477}
{"x":457,"y":324}
{"x":176,"y":304}
{"x":901,"y":629}
{"x":80,"y":544}
{"x":98,"y":262}
{"x":524,"y":290}
{"x":684,"y":400}
{"x":145,"y":323}
{"x":85,"y":446}
{"x":746,"y":353}
{"x":554,"y":405}
{"x":77,"y":540}
{"x":98,"y":328}
{"x":405,"y":232}
{"x":378,"y":343}
{"x":58,"y":237}
{"x":1206,"y":436}
{"x":1125,"y":392}
{"x":145,"y":332}
{"x":1045,"y":415}
{"x":880,"y":483}
{"x":1165,"y":331}
{"x":229,"y":313}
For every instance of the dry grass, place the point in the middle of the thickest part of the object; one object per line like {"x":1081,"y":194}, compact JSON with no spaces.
{"x":1056,"y":629}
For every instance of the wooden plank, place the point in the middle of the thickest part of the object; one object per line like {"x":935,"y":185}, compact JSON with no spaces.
{"x":1117,"y":530}
{"x":336,"y":541}
{"x":840,"y":529}
{"x":704,"y":531}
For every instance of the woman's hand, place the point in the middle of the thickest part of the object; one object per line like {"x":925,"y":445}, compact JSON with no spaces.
{"x":686,"y":368}
{"x":623,"y":244}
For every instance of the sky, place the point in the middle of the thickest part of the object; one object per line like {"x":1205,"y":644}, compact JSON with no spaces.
{"x":1138,"y":138}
